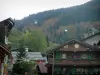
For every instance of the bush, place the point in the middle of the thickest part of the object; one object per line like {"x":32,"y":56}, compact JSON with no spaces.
{"x":24,"y":66}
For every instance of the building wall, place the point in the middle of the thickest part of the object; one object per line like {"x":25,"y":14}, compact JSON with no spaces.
{"x":93,"y":40}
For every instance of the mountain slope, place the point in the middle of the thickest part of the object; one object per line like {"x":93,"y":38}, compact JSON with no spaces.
{"x":53,"y":22}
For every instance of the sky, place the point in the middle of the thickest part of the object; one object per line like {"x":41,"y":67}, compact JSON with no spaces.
{"x":17,"y":9}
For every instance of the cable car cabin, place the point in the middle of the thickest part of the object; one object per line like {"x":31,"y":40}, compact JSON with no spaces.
{"x":74,"y":58}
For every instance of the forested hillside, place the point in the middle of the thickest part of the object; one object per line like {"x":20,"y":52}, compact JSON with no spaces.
{"x":77,"y":20}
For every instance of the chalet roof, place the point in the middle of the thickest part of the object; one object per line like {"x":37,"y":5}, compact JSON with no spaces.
{"x":9,"y":23}
{"x":91,"y":36}
{"x":74,"y":41}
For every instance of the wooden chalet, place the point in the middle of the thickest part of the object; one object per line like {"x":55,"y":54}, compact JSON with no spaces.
{"x":5,"y":28}
{"x":74,"y":58}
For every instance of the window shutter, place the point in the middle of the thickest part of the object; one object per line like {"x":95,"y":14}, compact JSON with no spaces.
{"x":90,"y":57}
{"x":58,"y":55}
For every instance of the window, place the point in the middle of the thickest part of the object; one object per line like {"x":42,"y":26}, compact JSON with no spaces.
{"x":76,"y":56}
{"x":63,"y":56}
{"x":84,"y":56}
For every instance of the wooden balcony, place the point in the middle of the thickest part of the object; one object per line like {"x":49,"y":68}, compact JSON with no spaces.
{"x":75,"y":62}
{"x":80,"y":62}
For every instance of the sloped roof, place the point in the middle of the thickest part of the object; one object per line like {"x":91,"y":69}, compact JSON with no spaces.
{"x":9,"y":23}
{"x":30,"y":55}
{"x":91,"y":36}
{"x":74,"y":40}
{"x":42,"y":67}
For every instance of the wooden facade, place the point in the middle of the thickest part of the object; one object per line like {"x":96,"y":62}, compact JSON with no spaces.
{"x":74,"y":57}
{"x":3,"y":52}
{"x":5,"y":28}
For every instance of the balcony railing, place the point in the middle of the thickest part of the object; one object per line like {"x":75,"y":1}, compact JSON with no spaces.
{"x":78,"y":62}
{"x":75,"y":61}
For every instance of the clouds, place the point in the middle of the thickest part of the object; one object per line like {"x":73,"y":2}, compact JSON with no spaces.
{"x":20,"y":8}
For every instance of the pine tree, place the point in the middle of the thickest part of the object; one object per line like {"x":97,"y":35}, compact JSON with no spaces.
{"x":21,"y":53}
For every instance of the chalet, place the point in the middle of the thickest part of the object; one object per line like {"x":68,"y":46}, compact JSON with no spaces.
{"x":5,"y":28}
{"x":74,"y":58}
